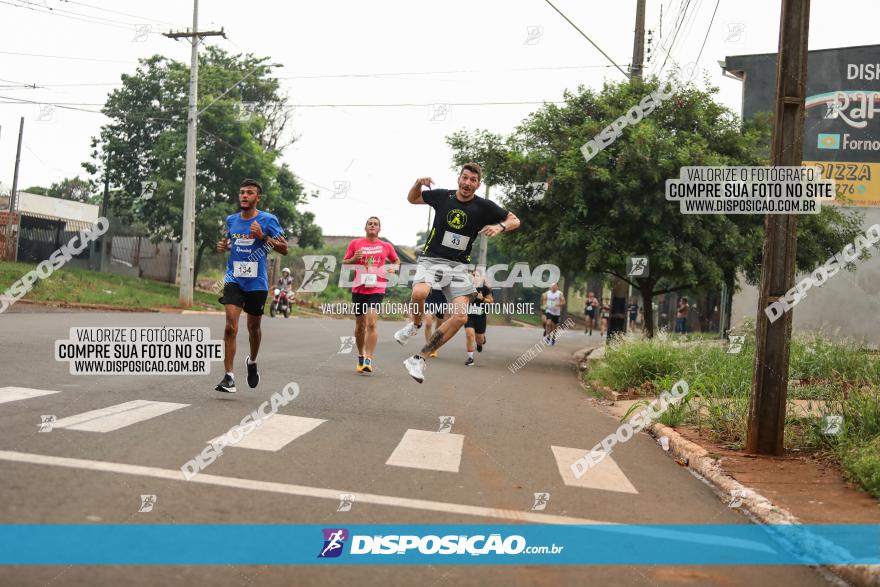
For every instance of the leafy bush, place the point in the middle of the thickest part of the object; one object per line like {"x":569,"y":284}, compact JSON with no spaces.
{"x":837,"y":376}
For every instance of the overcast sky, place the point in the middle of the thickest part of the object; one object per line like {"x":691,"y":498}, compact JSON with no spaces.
{"x":352,"y":67}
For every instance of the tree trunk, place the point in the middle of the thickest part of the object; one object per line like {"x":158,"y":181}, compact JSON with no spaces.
{"x":505,"y":298}
{"x":646,"y":287}
{"x":566,"y":287}
{"x":617,"y":320}
{"x":728,"y":303}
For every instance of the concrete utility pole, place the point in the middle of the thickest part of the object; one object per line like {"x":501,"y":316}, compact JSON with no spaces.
{"x":770,"y":376}
{"x":100,"y":254}
{"x":617,"y":322}
{"x":638,"y":59}
{"x":13,"y":200}
{"x":484,"y":241}
{"x":189,"y":197}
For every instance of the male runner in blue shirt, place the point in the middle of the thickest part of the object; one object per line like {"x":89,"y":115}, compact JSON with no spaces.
{"x":250,"y":234}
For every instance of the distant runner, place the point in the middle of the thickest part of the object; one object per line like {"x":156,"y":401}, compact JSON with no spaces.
{"x":459,"y":217}
{"x":591,"y":307}
{"x":370,"y":254}
{"x":250,"y":234}
{"x":475,"y":329}
{"x":552,"y":301}
{"x":681,"y":316}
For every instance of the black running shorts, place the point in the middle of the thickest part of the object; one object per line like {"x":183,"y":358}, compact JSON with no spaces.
{"x":477,"y":322}
{"x":363,"y":303}
{"x":435,"y":300}
{"x":252,"y":301}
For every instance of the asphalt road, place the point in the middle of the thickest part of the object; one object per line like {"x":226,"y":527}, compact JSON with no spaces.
{"x":354,"y":426}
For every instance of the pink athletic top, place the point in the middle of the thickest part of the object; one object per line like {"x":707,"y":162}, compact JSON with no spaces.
{"x":369,"y":276}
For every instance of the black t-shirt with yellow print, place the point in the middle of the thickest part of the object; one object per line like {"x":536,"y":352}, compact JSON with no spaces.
{"x":457,"y":223}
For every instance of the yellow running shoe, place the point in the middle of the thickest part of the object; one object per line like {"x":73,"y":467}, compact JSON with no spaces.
{"x":368,"y":365}
{"x":360,"y":365}
{"x":433,"y":353}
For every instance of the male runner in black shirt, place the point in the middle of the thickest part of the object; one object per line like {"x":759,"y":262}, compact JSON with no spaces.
{"x":459,"y":217}
{"x":475,"y":329}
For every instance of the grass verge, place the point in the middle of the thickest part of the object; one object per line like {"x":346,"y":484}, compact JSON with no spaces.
{"x":91,"y":287}
{"x":837,"y":385}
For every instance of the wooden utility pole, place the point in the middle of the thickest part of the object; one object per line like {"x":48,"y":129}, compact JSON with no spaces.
{"x":187,"y":239}
{"x":620,"y":288}
{"x":770,"y":377}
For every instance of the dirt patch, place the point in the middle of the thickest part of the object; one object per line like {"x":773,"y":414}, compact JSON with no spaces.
{"x":812,"y":488}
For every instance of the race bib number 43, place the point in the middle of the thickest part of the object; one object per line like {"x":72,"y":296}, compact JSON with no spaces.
{"x":455,"y":241}
{"x":244,"y":268}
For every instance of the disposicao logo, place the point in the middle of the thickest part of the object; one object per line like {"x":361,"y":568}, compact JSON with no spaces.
{"x":829,"y":141}
{"x":334,"y":541}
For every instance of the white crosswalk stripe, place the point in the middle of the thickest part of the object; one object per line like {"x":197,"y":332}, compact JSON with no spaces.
{"x":417,"y":449}
{"x":420,"y":449}
{"x":274,"y":433}
{"x":119,"y":416}
{"x":13,"y":394}
{"x":606,"y":475}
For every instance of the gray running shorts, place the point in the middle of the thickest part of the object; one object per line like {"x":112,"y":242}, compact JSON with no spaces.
{"x":454,"y":278}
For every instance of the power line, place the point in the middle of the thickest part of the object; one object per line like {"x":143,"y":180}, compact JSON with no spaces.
{"x":163,"y":22}
{"x":11,"y":100}
{"x":18,"y":85}
{"x":443,"y":72}
{"x":675,"y":35}
{"x":693,"y":18}
{"x":61,"y":11}
{"x":584,"y":35}
{"x":423,"y":104}
{"x":64,"y":56}
{"x":386,"y":105}
{"x":76,"y":16}
{"x":712,"y":20}
{"x":353,"y":75}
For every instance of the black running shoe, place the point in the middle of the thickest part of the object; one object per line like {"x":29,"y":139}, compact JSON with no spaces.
{"x":253,"y":377}
{"x":469,"y":362}
{"x":479,"y":348}
{"x":227,"y":385}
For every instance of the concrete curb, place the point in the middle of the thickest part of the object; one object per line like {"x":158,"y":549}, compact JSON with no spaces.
{"x":697,"y":458}
{"x":78,"y":306}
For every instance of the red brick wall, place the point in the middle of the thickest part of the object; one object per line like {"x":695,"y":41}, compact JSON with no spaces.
{"x":6,"y":252}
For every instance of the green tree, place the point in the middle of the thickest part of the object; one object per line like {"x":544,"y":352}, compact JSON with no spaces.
{"x":243,"y":128}
{"x":595,"y":215}
{"x":69,"y":188}
{"x":75,"y":189}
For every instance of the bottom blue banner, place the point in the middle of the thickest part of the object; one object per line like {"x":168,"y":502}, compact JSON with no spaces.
{"x":613,"y":544}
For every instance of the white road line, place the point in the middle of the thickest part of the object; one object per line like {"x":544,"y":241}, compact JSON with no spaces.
{"x":421,"y":449}
{"x":300,"y":490}
{"x":276,"y":432}
{"x":119,"y":416}
{"x":13,"y":394}
{"x":606,"y":475}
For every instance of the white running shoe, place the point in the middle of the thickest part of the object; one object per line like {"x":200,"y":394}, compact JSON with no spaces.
{"x":416,"y":367}
{"x":405,"y":333}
